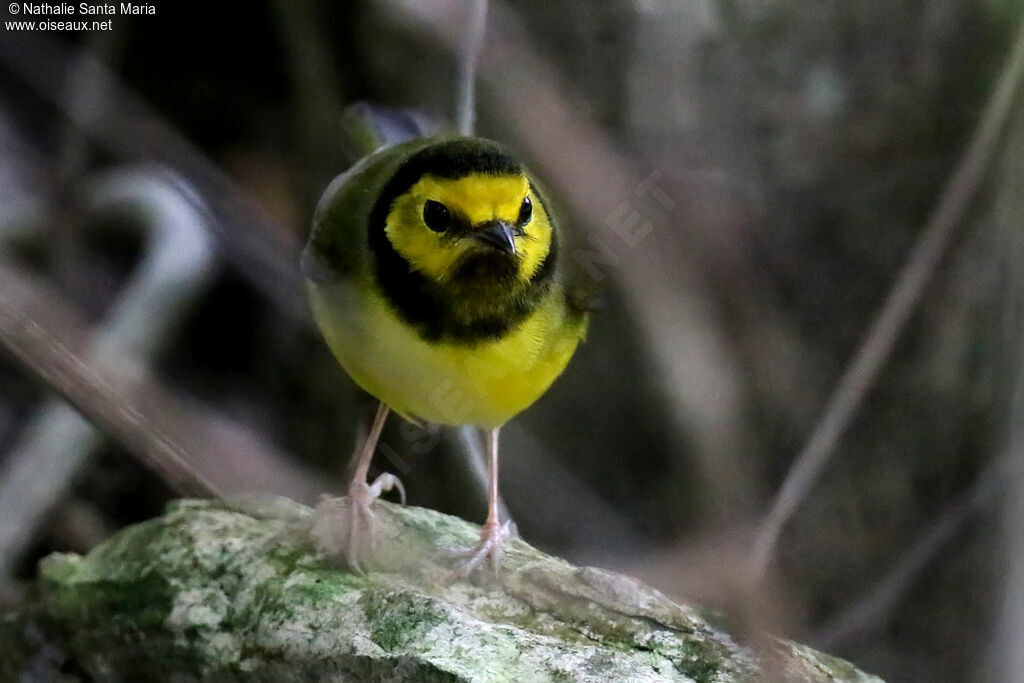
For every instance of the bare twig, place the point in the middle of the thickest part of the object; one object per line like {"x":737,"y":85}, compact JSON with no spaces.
{"x":910,"y":285}
{"x":466,"y":101}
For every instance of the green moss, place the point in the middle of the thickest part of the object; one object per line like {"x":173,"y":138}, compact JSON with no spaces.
{"x":700,"y":662}
{"x":216,"y":593}
{"x":398,"y":619}
{"x":59,"y":568}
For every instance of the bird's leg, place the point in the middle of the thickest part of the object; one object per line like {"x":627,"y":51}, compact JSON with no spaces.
{"x":358,"y":489}
{"x":493,"y":532}
{"x":354,"y":540}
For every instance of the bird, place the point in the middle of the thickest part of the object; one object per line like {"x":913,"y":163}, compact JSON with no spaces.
{"x":436,"y":273}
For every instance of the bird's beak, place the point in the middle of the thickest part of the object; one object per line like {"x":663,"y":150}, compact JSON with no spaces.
{"x":497,"y":234}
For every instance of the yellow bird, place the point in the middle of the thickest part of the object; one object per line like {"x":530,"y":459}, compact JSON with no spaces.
{"x":435,"y":276}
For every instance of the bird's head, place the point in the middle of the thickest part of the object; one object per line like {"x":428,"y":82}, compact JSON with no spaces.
{"x":465,"y":212}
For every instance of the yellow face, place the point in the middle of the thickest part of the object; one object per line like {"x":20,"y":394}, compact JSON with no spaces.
{"x":472,"y":203}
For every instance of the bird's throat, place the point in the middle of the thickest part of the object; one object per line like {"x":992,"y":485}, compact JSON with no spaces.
{"x":483,"y":300}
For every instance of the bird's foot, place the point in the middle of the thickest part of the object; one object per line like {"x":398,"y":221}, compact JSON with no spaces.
{"x":345,"y":527}
{"x":492,"y":536}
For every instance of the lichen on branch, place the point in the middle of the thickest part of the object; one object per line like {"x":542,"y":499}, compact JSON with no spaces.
{"x":236,"y":591}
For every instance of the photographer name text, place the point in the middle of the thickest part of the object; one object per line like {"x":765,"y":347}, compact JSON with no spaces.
{"x":85,"y":8}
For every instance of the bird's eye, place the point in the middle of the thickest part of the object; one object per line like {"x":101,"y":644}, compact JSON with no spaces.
{"x":436,"y":216}
{"x":525,"y":211}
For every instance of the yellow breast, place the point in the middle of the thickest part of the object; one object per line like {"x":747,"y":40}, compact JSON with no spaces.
{"x":484,"y":385}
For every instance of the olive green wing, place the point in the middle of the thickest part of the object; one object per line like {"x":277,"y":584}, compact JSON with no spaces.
{"x":377,"y":139}
{"x":337,"y":246}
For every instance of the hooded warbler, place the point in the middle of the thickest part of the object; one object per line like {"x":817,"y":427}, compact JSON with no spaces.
{"x":435,"y":274}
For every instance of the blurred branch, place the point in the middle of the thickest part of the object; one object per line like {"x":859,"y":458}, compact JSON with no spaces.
{"x":910,"y":285}
{"x":547,"y":495}
{"x":176,"y":267}
{"x":567,"y":506}
{"x":111,"y":383}
{"x":191,"y":448}
{"x":465,"y":104}
{"x":472,"y":467}
{"x":318,"y":91}
{"x":130,"y":130}
{"x":84,"y":92}
{"x":1006,"y":654}
{"x":868,"y":610}
{"x":28,"y":316}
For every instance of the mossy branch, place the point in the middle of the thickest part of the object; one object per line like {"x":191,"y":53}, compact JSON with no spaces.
{"x":235,"y":591}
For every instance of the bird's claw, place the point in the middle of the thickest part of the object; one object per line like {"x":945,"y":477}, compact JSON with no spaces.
{"x":370,"y":492}
{"x":492,"y":537}
{"x":346,"y":527}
